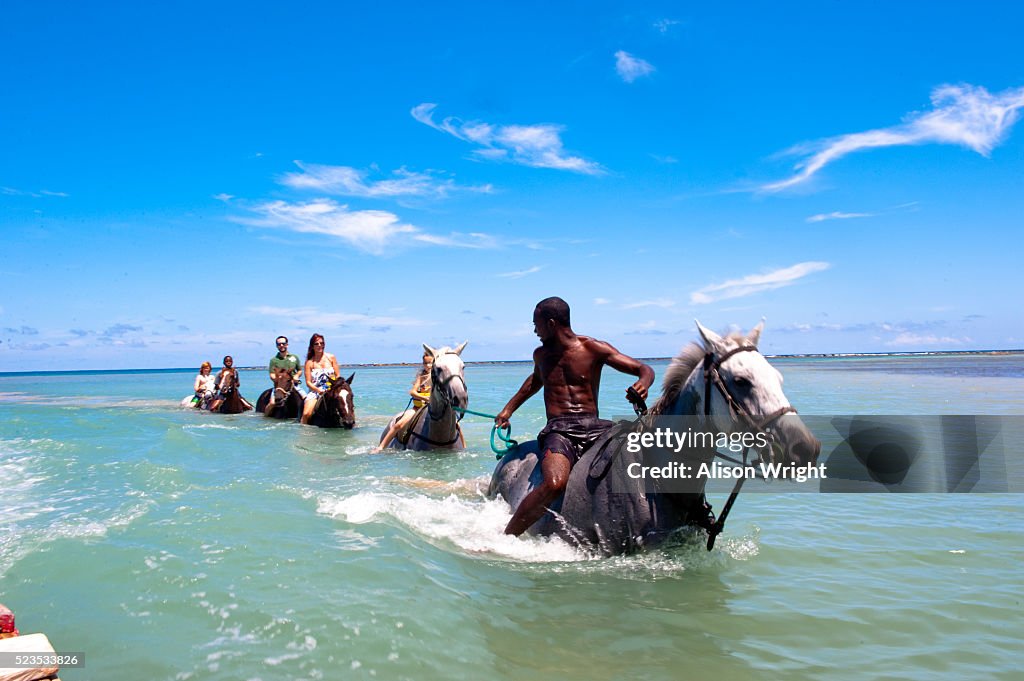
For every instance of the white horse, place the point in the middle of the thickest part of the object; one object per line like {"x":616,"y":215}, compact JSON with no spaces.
{"x":727,"y":386}
{"x":436,"y":426}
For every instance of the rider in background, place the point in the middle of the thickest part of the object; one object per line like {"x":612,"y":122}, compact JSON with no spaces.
{"x":227,"y":378}
{"x":568,"y":368}
{"x":204,"y":386}
{"x":285,"y":360}
{"x":321,"y":368}
{"x":420,"y":394}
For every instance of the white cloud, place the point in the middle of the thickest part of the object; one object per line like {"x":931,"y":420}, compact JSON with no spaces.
{"x":754,"y":283}
{"x":630,"y":68}
{"x":223,"y":197}
{"x":601,"y":301}
{"x":962,"y":114}
{"x":659,"y":302}
{"x":368,"y":230}
{"x":521,"y":273}
{"x":537,"y":146}
{"x":312,"y":317}
{"x":912,"y":339}
{"x":836,"y":215}
{"x":11,"y":191}
{"x":663,"y":26}
{"x":372,"y":231}
{"x":348,"y":181}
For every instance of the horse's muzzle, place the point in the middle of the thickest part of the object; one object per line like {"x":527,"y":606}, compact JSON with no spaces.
{"x":799,"y":445}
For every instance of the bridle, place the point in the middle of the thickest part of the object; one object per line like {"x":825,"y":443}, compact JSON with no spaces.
{"x":712,"y":365}
{"x":336,"y":401}
{"x":712,"y":377}
{"x":442,"y":389}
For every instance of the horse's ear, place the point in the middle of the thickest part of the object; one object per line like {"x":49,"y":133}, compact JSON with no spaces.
{"x":458,"y":350}
{"x":349,"y":379}
{"x":755,"y":333}
{"x":712,"y":341}
{"x":429,"y":350}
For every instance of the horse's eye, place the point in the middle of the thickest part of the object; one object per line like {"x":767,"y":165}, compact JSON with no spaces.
{"x":742,"y":382}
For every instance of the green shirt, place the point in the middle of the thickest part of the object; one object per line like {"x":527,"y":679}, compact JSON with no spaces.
{"x":290,"y":362}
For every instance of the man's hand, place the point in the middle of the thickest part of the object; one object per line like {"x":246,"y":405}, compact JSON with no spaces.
{"x":501,"y":420}
{"x":641,"y":389}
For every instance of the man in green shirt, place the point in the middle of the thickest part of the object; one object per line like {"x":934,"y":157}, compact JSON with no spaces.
{"x":285,"y":360}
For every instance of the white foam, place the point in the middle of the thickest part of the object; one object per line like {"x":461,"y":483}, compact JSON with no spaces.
{"x":475,"y":526}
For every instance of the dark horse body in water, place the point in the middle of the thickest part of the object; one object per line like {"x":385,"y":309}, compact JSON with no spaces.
{"x":336,"y":407}
{"x":233,"y":402}
{"x":287,"y":399}
{"x":726,"y":385}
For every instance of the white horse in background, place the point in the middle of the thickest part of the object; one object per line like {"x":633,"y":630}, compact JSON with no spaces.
{"x":436,"y":426}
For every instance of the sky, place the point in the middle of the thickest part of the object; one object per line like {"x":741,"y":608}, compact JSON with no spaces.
{"x":180,"y":183}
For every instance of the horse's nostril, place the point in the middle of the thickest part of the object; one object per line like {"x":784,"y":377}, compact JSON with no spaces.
{"x":805,"y":452}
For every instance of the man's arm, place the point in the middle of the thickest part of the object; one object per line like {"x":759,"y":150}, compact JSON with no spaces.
{"x":530,"y":387}
{"x":628,"y":365}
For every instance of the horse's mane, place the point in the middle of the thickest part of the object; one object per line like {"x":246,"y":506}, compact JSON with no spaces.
{"x":679,"y":370}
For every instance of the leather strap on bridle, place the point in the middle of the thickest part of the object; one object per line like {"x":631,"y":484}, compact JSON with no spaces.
{"x":712,"y":377}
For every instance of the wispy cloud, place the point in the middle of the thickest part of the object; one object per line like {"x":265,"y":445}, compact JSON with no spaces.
{"x":658,"y":302}
{"x":537,"y":146}
{"x":371,"y":231}
{"x":521,"y":273}
{"x":966,"y":115}
{"x":663,"y":26}
{"x":884,"y":327}
{"x":601,"y":301}
{"x":368,"y":230}
{"x":836,"y":215}
{"x":630,"y":68}
{"x":309,"y":317}
{"x":755,"y":283}
{"x":348,"y":181}
{"x":914,"y":339}
{"x":223,"y":197}
{"x":11,"y":191}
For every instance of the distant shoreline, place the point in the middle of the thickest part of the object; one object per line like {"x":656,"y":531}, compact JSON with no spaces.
{"x":816,"y":355}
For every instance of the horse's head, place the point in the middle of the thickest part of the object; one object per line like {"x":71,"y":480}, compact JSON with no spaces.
{"x":339,"y":402}
{"x":729,"y":382}
{"x":447,"y":378}
{"x":746,"y":394}
{"x":283,"y":380}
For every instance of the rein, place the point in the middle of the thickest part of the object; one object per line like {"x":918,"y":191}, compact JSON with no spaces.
{"x":712,"y":377}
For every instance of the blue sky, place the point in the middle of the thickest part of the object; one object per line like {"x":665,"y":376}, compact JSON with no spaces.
{"x":179,"y":184}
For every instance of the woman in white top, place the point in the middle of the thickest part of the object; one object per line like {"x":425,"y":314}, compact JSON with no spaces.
{"x":320,"y":368}
{"x":203,"y":386}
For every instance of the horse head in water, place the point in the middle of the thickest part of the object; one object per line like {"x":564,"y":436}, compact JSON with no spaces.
{"x":336,"y":407}
{"x":437,"y":425}
{"x":725,"y":385}
{"x":231,"y":400}
{"x":287,"y":400}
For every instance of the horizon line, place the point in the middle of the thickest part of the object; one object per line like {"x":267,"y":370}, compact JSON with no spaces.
{"x":806,"y":355}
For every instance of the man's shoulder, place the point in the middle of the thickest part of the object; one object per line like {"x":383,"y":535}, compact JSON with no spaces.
{"x":596,"y":345}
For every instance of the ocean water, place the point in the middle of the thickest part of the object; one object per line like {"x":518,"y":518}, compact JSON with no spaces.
{"x":170,"y":544}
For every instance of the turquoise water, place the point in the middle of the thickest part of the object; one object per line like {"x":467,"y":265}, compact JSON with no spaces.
{"x":184,"y":545}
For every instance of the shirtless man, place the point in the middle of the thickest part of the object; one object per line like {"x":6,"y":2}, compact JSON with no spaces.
{"x":568,"y":367}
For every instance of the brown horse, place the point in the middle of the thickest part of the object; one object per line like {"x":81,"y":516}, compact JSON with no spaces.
{"x":287,"y":400}
{"x":335,"y":408}
{"x":228,"y":400}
